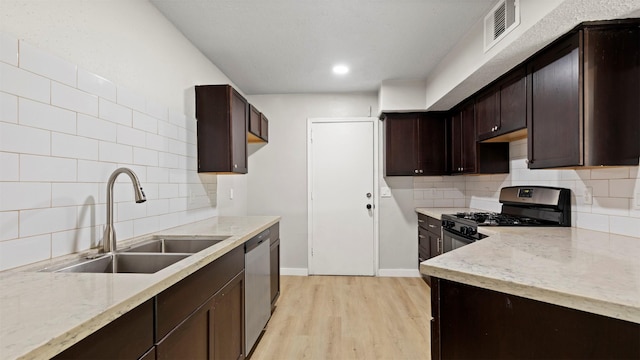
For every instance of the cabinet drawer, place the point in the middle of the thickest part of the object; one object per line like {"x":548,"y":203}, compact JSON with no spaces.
{"x":177,"y":302}
{"x":434,"y":225}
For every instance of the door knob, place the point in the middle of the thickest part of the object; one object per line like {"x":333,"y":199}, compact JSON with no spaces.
{"x":369,"y":195}
{"x":369,"y":206}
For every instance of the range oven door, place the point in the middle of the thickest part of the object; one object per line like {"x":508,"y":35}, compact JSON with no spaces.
{"x":452,"y":241}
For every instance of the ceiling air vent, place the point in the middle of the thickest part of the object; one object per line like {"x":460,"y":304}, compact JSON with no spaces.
{"x":503,"y":18}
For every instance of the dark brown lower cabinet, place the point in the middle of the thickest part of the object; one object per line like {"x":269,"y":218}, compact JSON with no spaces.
{"x":476,"y":323}
{"x":202,"y":316}
{"x":128,"y":337}
{"x":213,"y":331}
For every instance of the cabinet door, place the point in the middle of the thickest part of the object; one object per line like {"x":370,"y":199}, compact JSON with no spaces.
{"x":254,"y":124}
{"x":432,"y":157}
{"x":424,"y":249}
{"x":401,"y":146}
{"x":513,"y":102}
{"x":487,"y":114}
{"x":555,"y":130}
{"x":434,"y":244}
{"x":190,"y":339}
{"x":264,"y":127}
{"x":227,"y":321}
{"x":468,"y":139}
{"x":239,"y":115}
{"x":275,"y":271}
{"x":456,"y":142}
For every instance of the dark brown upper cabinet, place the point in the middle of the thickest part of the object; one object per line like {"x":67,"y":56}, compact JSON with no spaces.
{"x":222,"y":115}
{"x":469,"y":156}
{"x":584,"y":106}
{"x":415,"y":144}
{"x":258,"y":126}
{"x":501,"y":109}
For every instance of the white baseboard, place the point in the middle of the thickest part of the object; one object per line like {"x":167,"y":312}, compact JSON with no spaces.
{"x":294,"y":271}
{"x":398,"y":273}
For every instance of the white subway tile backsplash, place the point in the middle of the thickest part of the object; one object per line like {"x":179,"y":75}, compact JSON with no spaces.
{"x":8,"y":108}
{"x":157,"y":110}
{"x":73,"y":99}
{"x":92,"y":127}
{"x":610,"y":206}
{"x":94,"y":171}
{"x":623,"y":188}
{"x":59,"y":144}
{"x":117,"y":153}
{"x":156,"y":142}
{"x":628,"y":226}
{"x":48,"y":220}
{"x":8,"y":49}
{"x":145,"y":122}
{"x":115,"y":113}
{"x":96,"y":85}
{"x":131,"y":100}
{"x":23,"y":251}
{"x":13,"y":138}
{"x":76,"y":240}
{"x":72,"y":146}
{"x":44,"y":168}
{"x":70,"y":194}
{"x":147,"y":225}
{"x":8,"y":225}
{"x":610,"y":173}
{"x":24,"y":195}
{"x":47,"y":65}
{"x":145,"y":157}
{"x":44,"y":116}
{"x":130,"y":136}
{"x":130,"y":210}
{"x":9,"y":167}
{"x":24,"y":83}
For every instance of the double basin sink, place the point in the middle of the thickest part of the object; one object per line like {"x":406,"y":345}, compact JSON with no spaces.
{"x":146,"y":257}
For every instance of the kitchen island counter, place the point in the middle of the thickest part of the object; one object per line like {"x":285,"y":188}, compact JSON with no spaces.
{"x":581,"y":269}
{"x":43,"y":313}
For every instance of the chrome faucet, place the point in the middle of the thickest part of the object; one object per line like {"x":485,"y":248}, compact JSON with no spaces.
{"x":109,"y":238}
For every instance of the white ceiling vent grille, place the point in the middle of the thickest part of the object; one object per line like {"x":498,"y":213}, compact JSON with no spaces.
{"x":503,"y":18}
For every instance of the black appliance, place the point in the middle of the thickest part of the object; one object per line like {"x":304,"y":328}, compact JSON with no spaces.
{"x":521,"y":206}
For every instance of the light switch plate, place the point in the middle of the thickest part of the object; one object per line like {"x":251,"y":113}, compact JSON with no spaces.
{"x":385,"y":192}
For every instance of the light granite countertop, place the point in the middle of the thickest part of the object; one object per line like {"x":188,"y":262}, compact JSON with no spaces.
{"x":42,"y":313}
{"x":582,"y":269}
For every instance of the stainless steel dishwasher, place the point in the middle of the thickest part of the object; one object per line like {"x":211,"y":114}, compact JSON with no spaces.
{"x":257,"y":303}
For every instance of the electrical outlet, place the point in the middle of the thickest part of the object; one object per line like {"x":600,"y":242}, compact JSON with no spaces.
{"x":231,"y":194}
{"x":588,"y":195}
{"x":385,"y":192}
{"x":636,"y":202}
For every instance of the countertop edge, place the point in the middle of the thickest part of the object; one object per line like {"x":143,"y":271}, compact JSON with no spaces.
{"x":595,"y":306}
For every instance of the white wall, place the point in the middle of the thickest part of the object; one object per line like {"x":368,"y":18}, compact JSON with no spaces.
{"x":402,"y":95}
{"x":278,"y":171}
{"x":97,"y":85}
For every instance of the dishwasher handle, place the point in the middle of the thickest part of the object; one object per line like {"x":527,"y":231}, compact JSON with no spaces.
{"x":257,"y":240}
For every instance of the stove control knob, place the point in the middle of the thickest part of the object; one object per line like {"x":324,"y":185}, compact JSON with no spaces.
{"x":471,"y":231}
{"x":464,"y":230}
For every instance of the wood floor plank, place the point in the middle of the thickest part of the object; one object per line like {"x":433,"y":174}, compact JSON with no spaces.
{"x":345,"y":318}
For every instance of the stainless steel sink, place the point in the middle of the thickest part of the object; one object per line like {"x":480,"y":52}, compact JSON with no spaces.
{"x":175,"y":245}
{"x":125,"y":263}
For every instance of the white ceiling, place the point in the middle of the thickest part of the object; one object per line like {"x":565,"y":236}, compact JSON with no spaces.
{"x":290,"y":46}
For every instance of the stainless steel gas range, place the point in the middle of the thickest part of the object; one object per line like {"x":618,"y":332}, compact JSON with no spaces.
{"x":521,"y":206}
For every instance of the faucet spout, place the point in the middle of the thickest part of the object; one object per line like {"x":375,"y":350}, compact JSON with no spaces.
{"x":109,"y":238}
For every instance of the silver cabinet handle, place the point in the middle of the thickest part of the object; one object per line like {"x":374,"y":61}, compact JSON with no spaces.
{"x":420,"y":220}
{"x":415,"y":171}
{"x":421,"y":236}
{"x":438,"y":240}
{"x":431,"y":226}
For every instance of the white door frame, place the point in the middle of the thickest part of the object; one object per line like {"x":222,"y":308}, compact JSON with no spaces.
{"x":376,"y":195}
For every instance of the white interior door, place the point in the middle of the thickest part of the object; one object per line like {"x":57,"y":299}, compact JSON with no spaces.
{"x":341,"y":188}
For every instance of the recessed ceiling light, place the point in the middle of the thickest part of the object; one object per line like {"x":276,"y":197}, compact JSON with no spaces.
{"x":340,"y":69}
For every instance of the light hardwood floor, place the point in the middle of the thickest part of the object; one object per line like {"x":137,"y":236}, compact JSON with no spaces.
{"x":344,"y":317}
